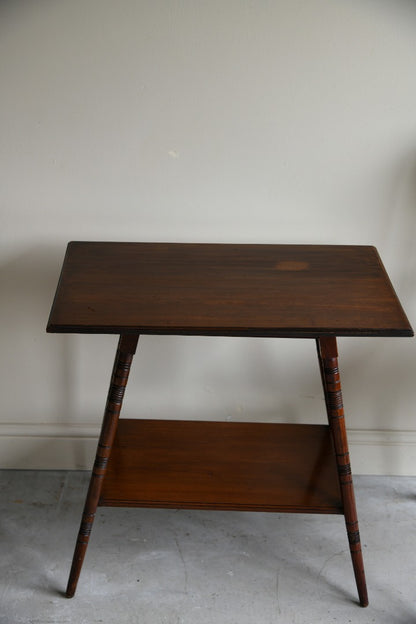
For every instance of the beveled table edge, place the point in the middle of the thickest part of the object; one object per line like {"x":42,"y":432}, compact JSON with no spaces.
{"x":231,"y":332}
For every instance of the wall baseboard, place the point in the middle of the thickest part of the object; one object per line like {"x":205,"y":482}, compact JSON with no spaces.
{"x":375,"y":452}
{"x":72,"y":447}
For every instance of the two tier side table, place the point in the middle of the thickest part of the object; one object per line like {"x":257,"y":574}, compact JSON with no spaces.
{"x":275,"y":291}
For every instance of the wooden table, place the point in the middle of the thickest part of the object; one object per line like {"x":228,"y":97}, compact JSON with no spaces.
{"x":296,"y":291}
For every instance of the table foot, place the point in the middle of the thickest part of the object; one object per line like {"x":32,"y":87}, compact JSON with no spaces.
{"x":328,"y":361}
{"x":122,"y":363}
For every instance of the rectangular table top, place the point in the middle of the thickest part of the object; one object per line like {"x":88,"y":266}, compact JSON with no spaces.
{"x":226,"y":290}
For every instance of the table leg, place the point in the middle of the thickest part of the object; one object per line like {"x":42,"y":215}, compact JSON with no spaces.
{"x":124,"y":356}
{"x":328,"y":361}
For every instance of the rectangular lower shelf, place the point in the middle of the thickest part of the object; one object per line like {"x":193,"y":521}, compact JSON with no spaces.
{"x":222,"y":465}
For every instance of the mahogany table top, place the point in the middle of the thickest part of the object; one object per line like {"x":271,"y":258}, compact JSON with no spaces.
{"x":226,"y":290}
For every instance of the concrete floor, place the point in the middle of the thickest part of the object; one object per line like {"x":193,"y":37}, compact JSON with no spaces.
{"x":168,"y":567}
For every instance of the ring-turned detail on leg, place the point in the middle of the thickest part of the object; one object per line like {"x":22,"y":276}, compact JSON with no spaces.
{"x":124,"y":356}
{"x":328,"y":361}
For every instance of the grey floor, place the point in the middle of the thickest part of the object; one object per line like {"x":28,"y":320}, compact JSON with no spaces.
{"x":159,"y":566}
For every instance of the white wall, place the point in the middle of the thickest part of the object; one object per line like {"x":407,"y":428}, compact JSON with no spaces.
{"x":267,"y":121}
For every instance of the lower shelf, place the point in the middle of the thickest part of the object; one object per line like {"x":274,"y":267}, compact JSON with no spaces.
{"x":222,"y":465}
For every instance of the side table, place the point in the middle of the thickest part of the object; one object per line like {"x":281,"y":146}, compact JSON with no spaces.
{"x":291,"y":291}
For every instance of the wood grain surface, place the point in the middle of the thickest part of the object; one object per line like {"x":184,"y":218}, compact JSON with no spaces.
{"x":222,"y":465}
{"x":213,"y":289}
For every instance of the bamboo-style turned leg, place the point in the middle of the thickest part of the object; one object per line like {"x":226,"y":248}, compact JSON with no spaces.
{"x":124,"y":356}
{"x":328,"y":361}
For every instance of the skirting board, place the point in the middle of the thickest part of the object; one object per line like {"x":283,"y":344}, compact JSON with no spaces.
{"x":72,"y":447}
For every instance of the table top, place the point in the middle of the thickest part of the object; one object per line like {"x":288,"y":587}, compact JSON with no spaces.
{"x":226,"y":290}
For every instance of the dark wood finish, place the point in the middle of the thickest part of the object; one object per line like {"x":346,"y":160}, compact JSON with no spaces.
{"x":125,"y":351}
{"x":328,"y":358}
{"x":209,"y":289}
{"x":223,"y":465}
{"x":313,"y":291}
